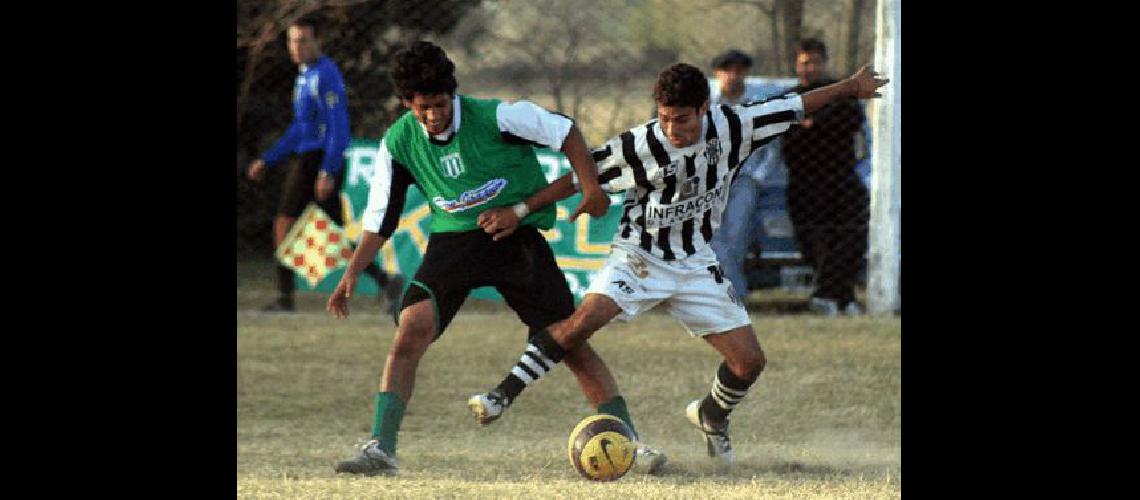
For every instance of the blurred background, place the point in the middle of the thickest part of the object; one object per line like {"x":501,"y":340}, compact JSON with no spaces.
{"x":594,"y":60}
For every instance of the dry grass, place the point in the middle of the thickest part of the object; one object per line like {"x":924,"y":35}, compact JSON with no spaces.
{"x":823,"y":421}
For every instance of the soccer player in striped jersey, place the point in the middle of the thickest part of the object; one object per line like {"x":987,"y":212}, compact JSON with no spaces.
{"x":675,"y":171}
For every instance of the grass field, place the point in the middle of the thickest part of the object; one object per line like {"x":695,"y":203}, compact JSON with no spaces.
{"x":823,"y":421}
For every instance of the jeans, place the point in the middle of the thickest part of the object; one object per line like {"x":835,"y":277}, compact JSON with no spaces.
{"x":737,"y":231}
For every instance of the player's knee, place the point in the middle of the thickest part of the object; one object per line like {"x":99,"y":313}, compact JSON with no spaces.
{"x":587,"y":320}
{"x":410,"y":345}
{"x":575,"y":331}
{"x":749,"y":365}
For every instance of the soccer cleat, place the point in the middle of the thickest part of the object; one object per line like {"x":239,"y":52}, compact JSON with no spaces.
{"x":488,"y":407}
{"x":716,"y":436}
{"x":852,"y":309}
{"x":370,"y":462}
{"x":826,"y":307}
{"x":649,"y":460}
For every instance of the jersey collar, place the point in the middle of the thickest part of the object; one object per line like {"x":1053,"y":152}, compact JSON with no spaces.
{"x":305,"y":67}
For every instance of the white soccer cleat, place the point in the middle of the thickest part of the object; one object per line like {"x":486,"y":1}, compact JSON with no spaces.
{"x":649,"y":460}
{"x":716,"y":437}
{"x":488,"y":407}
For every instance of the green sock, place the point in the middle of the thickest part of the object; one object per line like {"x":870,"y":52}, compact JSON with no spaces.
{"x":616,"y":407}
{"x":386,"y":420}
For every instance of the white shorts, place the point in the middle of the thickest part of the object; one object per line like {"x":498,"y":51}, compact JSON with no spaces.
{"x":694,"y":289}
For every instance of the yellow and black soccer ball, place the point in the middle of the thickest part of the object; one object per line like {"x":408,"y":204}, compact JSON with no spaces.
{"x":602,"y":448}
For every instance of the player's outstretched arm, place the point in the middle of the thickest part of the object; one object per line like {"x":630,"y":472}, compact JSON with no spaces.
{"x":862,"y":85}
{"x":370,"y":243}
{"x":594,"y":201}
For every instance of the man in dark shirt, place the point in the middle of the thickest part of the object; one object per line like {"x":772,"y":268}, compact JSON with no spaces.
{"x":827,"y":202}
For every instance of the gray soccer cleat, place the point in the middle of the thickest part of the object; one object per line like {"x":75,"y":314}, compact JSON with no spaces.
{"x":649,"y":460}
{"x":370,"y":462}
{"x":825,"y":307}
{"x":488,"y":407}
{"x":716,"y":437}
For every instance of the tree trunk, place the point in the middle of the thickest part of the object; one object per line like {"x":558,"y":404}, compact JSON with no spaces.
{"x":777,"y":63}
{"x":793,"y":18}
{"x":854,"y":28}
{"x":556,"y":86}
{"x":617,"y":104}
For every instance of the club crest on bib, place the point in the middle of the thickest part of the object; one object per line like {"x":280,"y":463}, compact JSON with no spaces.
{"x":689,"y":188}
{"x":451,"y":165}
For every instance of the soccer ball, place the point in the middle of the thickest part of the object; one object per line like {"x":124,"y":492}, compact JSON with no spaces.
{"x":602,"y":448}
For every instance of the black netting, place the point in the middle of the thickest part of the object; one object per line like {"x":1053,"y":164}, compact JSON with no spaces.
{"x":594,"y":60}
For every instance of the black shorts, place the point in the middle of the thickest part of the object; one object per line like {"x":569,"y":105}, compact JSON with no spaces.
{"x":299,"y":188}
{"x":521,"y":267}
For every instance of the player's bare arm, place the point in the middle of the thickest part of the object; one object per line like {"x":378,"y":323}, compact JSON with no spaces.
{"x":862,"y":85}
{"x":256,"y":170}
{"x":502,"y":221}
{"x":370,"y":243}
{"x":594,"y":201}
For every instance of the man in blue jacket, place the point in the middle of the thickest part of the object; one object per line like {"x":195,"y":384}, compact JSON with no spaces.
{"x":318,"y":135}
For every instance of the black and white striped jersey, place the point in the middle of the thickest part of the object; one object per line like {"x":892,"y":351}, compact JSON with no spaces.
{"x":675,"y":197}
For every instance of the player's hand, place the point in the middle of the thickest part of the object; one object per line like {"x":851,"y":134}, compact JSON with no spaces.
{"x":325,"y":186}
{"x":256,"y":170}
{"x":594,"y":202}
{"x":338,"y":302}
{"x":866,"y":82}
{"x":806,"y":123}
{"x":499,"y":222}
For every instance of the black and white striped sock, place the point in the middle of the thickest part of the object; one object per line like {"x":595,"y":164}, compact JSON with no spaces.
{"x":541,"y":355}
{"x":727,"y":392}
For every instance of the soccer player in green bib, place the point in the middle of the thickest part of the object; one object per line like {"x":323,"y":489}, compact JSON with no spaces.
{"x":468,"y":155}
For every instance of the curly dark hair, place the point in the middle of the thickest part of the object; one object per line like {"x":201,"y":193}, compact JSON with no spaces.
{"x":681,"y":85}
{"x":423,"y":68}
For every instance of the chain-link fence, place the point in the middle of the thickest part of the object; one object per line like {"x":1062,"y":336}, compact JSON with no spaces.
{"x":594,"y":60}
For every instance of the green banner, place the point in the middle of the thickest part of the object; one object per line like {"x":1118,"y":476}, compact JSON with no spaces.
{"x":581,"y":247}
